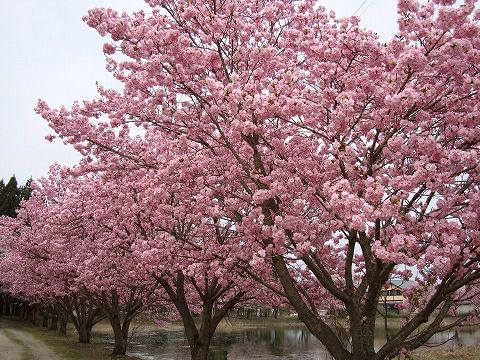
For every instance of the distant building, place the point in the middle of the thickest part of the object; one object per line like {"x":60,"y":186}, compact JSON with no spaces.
{"x":392,"y":295}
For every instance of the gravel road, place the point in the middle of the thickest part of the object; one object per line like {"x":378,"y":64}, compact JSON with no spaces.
{"x":19,"y":345}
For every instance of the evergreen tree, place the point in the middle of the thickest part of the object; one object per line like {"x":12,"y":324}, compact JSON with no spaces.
{"x":25,"y":191}
{"x":11,"y":195}
{"x":9,"y":198}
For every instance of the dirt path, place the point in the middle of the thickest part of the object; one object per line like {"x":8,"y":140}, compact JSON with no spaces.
{"x":9,"y":349}
{"x":19,"y":345}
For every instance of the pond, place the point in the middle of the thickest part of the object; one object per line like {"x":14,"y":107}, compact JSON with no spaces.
{"x":276,"y":343}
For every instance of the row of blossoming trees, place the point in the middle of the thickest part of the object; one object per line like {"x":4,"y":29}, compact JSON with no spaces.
{"x":103,"y":245}
{"x":265,"y":142}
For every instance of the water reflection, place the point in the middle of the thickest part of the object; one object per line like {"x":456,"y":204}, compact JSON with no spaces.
{"x":261,"y":344}
{"x":285,"y":343}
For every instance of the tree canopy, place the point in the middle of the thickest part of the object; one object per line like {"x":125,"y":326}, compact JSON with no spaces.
{"x":269,"y":141}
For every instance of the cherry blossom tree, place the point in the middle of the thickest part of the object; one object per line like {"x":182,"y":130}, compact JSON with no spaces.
{"x":192,"y":251}
{"x":80,"y":254}
{"x":37,"y":267}
{"x":106,"y":243}
{"x":180,"y":240}
{"x":340,"y":161}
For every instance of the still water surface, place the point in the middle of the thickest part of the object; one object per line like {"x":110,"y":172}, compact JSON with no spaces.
{"x":279,"y":343}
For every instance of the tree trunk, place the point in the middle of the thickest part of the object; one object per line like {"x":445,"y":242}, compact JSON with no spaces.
{"x":7,"y":305}
{"x":33,"y":314}
{"x":63,"y":318}
{"x":18,"y":309}
{"x":84,"y":334}
{"x":45,"y":321}
{"x":201,"y":343}
{"x":120,"y":334}
{"x":316,"y":325}
{"x":54,"y":323}
{"x":84,"y":319}
{"x":22,"y":310}
{"x":26,"y":311}
{"x":200,"y":352}
{"x":199,"y":339}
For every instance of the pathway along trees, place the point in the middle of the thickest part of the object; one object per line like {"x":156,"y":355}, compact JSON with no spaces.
{"x":355,"y":159}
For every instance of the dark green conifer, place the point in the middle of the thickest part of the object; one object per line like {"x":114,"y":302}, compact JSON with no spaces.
{"x":25,"y":191}
{"x":9,"y":198}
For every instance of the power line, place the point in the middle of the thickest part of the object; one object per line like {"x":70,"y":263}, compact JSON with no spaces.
{"x":359,"y":7}
{"x":363,"y":12}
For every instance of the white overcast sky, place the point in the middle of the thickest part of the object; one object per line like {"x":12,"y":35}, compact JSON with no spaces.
{"x":48,"y":52}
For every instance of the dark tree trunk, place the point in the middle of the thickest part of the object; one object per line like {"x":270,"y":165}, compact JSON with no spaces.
{"x":28,"y":312}
{"x":84,"y":334}
{"x":84,"y":319}
{"x":120,"y":328}
{"x":199,"y":339}
{"x":14,"y":308}
{"x":63,"y":319}
{"x":120,"y":333}
{"x":37,"y":315}
{"x":18,"y":308}
{"x":200,"y":352}
{"x":7,"y":305}
{"x":201,"y":344}
{"x":22,"y":311}
{"x":43,"y":311}
{"x":54,"y":323}
{"x":33,"y":316}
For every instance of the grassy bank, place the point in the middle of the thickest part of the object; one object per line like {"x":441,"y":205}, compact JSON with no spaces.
{"x":470,"y":352}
